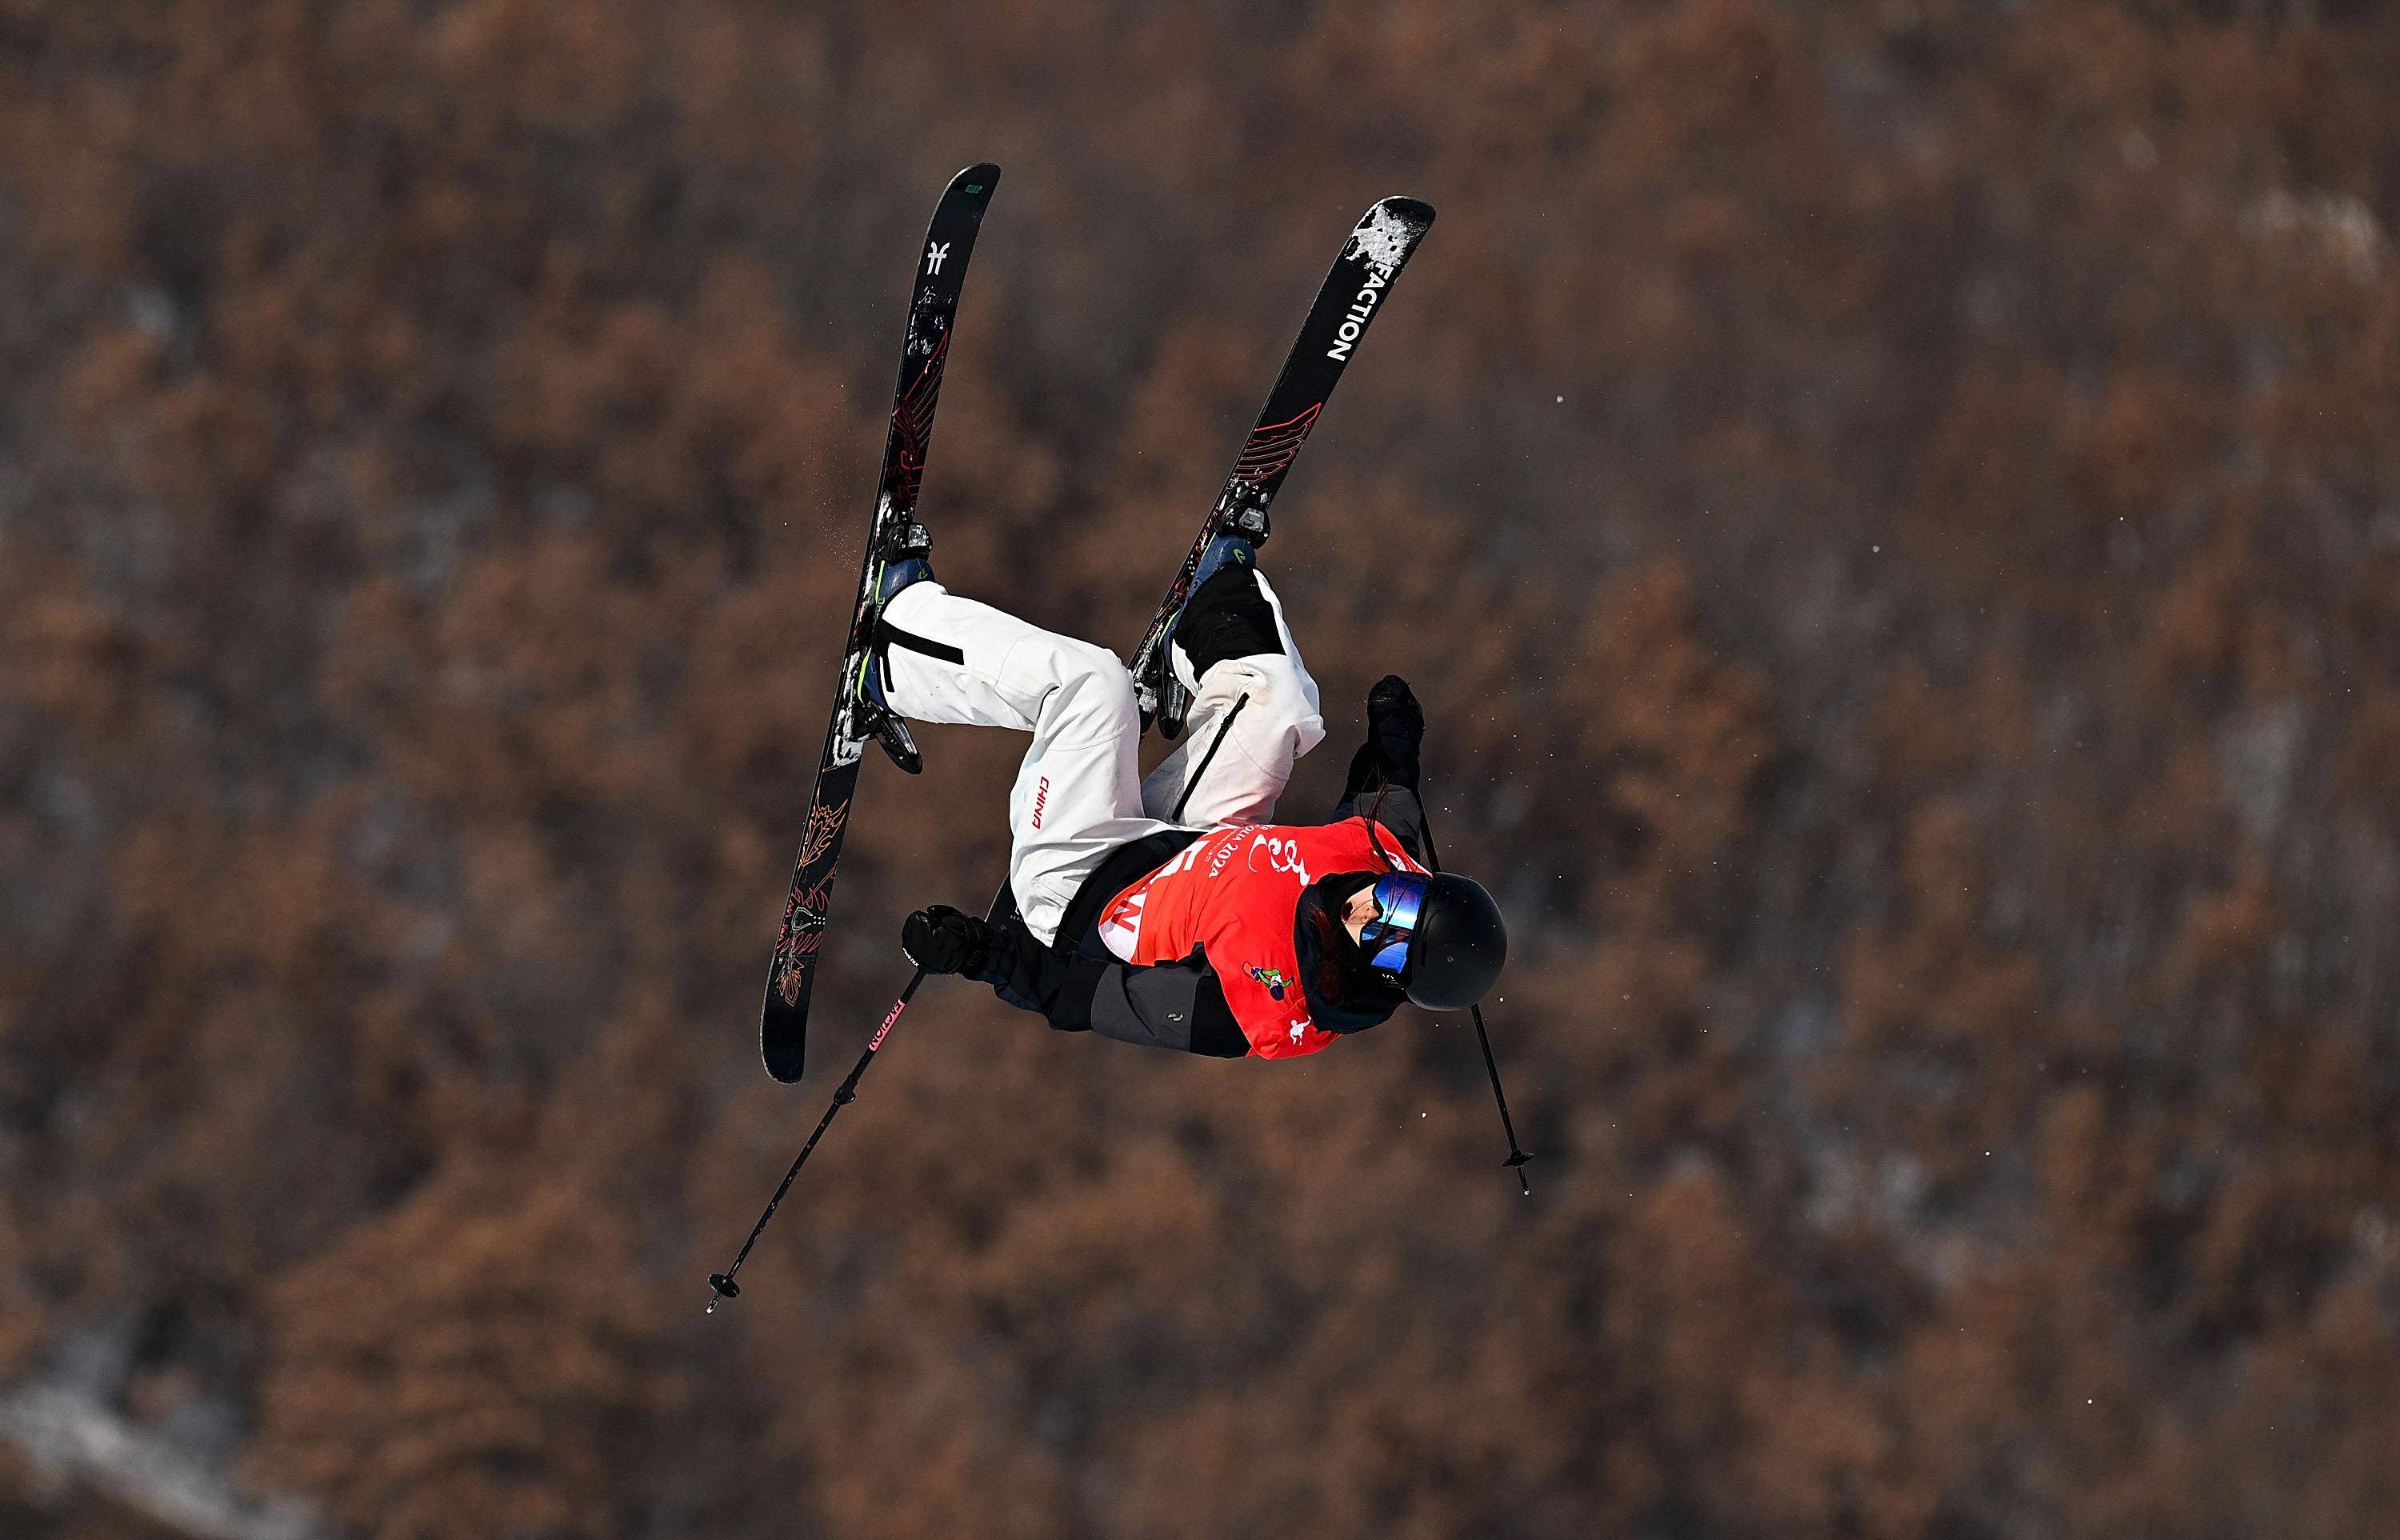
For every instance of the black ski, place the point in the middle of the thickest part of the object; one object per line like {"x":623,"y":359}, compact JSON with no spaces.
{"x":941,"y":271}
{"x":1352,"y":294}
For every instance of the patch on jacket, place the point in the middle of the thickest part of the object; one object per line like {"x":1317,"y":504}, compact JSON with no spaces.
{"x":1272,"y":978}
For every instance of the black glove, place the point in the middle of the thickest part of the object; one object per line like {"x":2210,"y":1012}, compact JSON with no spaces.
{"x":1396,"y":730}
{"x":943,"y":940}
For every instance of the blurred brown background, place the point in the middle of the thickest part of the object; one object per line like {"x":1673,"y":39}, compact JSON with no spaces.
{"x":1893,"y":508}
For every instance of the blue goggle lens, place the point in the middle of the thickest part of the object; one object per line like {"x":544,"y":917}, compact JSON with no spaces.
{"x":1385,"y":939}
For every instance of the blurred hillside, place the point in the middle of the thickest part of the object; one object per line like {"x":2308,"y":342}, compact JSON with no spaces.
{"x":1894,"y":510}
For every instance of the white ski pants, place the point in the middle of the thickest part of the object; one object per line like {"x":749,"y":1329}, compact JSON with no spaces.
{"x":1080,"y":793}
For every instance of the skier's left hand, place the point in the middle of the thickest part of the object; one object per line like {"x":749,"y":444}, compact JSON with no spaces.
{"x":942,"y":940}
{"x":1396,"y":726}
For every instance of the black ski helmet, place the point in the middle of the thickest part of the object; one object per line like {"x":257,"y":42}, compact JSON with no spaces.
{"x":1440,"y":938}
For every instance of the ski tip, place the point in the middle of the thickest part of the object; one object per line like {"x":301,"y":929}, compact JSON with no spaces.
{"x":978,"y":181}
{"x":785,"y":1050}
{"x":1389,"y":231}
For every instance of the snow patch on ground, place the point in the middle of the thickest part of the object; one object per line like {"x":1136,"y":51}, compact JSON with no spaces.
{"x":65,"y":1436}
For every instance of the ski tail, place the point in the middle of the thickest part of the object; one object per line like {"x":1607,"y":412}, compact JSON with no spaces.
{"x":1352,"y":295}
{"x":934,"y":297}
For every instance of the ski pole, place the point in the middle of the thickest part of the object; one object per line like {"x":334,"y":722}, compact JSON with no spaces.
{"x":1517,"y":1156}
{"x":721,"y":1285}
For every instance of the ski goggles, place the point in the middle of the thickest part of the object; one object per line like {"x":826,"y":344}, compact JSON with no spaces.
{"x":1384,"y":940}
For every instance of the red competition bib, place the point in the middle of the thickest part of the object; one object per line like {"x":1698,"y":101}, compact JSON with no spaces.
{"x":1233,"y":893}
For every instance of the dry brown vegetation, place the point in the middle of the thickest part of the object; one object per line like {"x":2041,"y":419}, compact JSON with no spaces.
{"x":1894,"y":509}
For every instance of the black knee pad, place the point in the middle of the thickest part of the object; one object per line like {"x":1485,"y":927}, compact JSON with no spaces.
{"x":1227,"y":617}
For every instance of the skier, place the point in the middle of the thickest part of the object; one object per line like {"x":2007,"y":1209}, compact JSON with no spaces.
{"x":1170,"y":911}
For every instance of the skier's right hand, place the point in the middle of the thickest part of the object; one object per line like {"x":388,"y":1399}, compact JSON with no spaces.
{"x":942,"y":940}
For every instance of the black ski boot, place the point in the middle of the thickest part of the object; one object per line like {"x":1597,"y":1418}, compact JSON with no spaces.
{"x":1236,"y":541}
{"x":1227,"y":617}
{"x":910,"y":561}
{"x":1234,"y":545}
{"x":906,"y":561}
